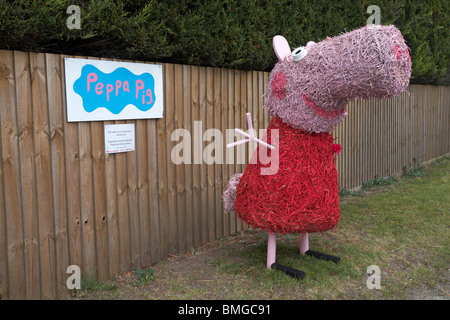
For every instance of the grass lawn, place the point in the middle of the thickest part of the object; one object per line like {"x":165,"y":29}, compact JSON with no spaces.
{"x":401,"y":226}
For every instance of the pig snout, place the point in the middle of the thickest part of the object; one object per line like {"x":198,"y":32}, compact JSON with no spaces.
{"x":312,"y":93}
{"x":376,"y":63}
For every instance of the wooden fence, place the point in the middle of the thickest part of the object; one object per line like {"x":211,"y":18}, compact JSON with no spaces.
{"x":63,"y":201}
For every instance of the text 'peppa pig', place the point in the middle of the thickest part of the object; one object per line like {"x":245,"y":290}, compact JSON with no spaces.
{"x":115,"y":90}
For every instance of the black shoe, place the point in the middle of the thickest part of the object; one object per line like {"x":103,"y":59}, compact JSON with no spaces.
{"x":324,"y":256}
{"x":289,"y":271}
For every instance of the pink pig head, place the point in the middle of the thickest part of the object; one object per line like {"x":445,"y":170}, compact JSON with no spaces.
{"x":310,"y":87}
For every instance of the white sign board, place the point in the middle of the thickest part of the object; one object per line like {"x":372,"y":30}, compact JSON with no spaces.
{"x":119,"y":138}
{"x":98,"y":90}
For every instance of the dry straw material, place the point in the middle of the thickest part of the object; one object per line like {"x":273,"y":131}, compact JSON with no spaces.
{"x":302,"y":194}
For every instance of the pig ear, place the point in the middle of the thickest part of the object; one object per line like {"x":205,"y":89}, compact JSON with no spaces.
{"x":281,"y":47}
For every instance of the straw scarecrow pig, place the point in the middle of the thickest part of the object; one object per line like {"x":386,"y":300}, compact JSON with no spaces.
{"x":307,"y":95}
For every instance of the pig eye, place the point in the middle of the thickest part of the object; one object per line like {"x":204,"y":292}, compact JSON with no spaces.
{"x":299,"y":53}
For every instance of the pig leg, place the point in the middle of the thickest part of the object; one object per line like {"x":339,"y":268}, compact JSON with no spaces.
{"x":271,"y":249}
{"x":304,"y":249}
{"x":271,"y":257}
{"x":304,"y":243}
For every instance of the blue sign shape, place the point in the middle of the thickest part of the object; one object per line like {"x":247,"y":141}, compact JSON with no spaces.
{"x":115,"y":90}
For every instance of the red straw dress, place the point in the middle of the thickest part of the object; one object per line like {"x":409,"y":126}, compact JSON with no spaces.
{"x":302,"y":193}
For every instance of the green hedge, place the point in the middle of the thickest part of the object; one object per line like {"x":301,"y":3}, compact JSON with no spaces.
{"x":220,"y":33}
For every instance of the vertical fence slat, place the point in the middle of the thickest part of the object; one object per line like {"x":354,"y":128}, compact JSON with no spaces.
{"x":3,"y":240}
{"x":189,"y":183}
{"x":112,"y":223}
{"x":99,"y":196}
{"x":379,"y":145}
{"x":224,"y":124}
{"x":196,"y":174}
{"x":352,"y":145}
{"x":11,"y":178}
{"x":43,"y":174}
{"x":444,"y":124}
{"x":122,"y":209}
{"x":414,"y":124}
{"x":137,"y":225}
{"x":218,"y":166}
{"x":421,"y":120}
{"x":339,"y":135}
{"x":199,"y":152}
{"x":387,"y":142}
{"x":348,"y":145}
{"x":56,"y":106}
{"x":362,"y":141}
{"x":206,"y":154}
{"x":436,"y":120}
{"x":439,"y":122}
{"x":162,"y":182}
{"x":344,"y":152}
{"x":392,"y":129}
{"x":411,"y":127}
{"x":143,"y":191}
{"x":366,"y":129}
{"x":401,"y":114}
{"x":446,"y":119}
{"x":72,"y":164}
{"x":252,"y":107}
{"x":180,"y":186}
{"x":243,"y":124}
{"x":28,"y":178}
{"x":133,"y":204}
{"x":430,"y":125}
{"x":231,"y":152}
{"x":357,"y":141}
{"x":155,"y":233}
{"x":260,"y":100}
{"x":169,"y":108}
{"x":87,"y":199}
